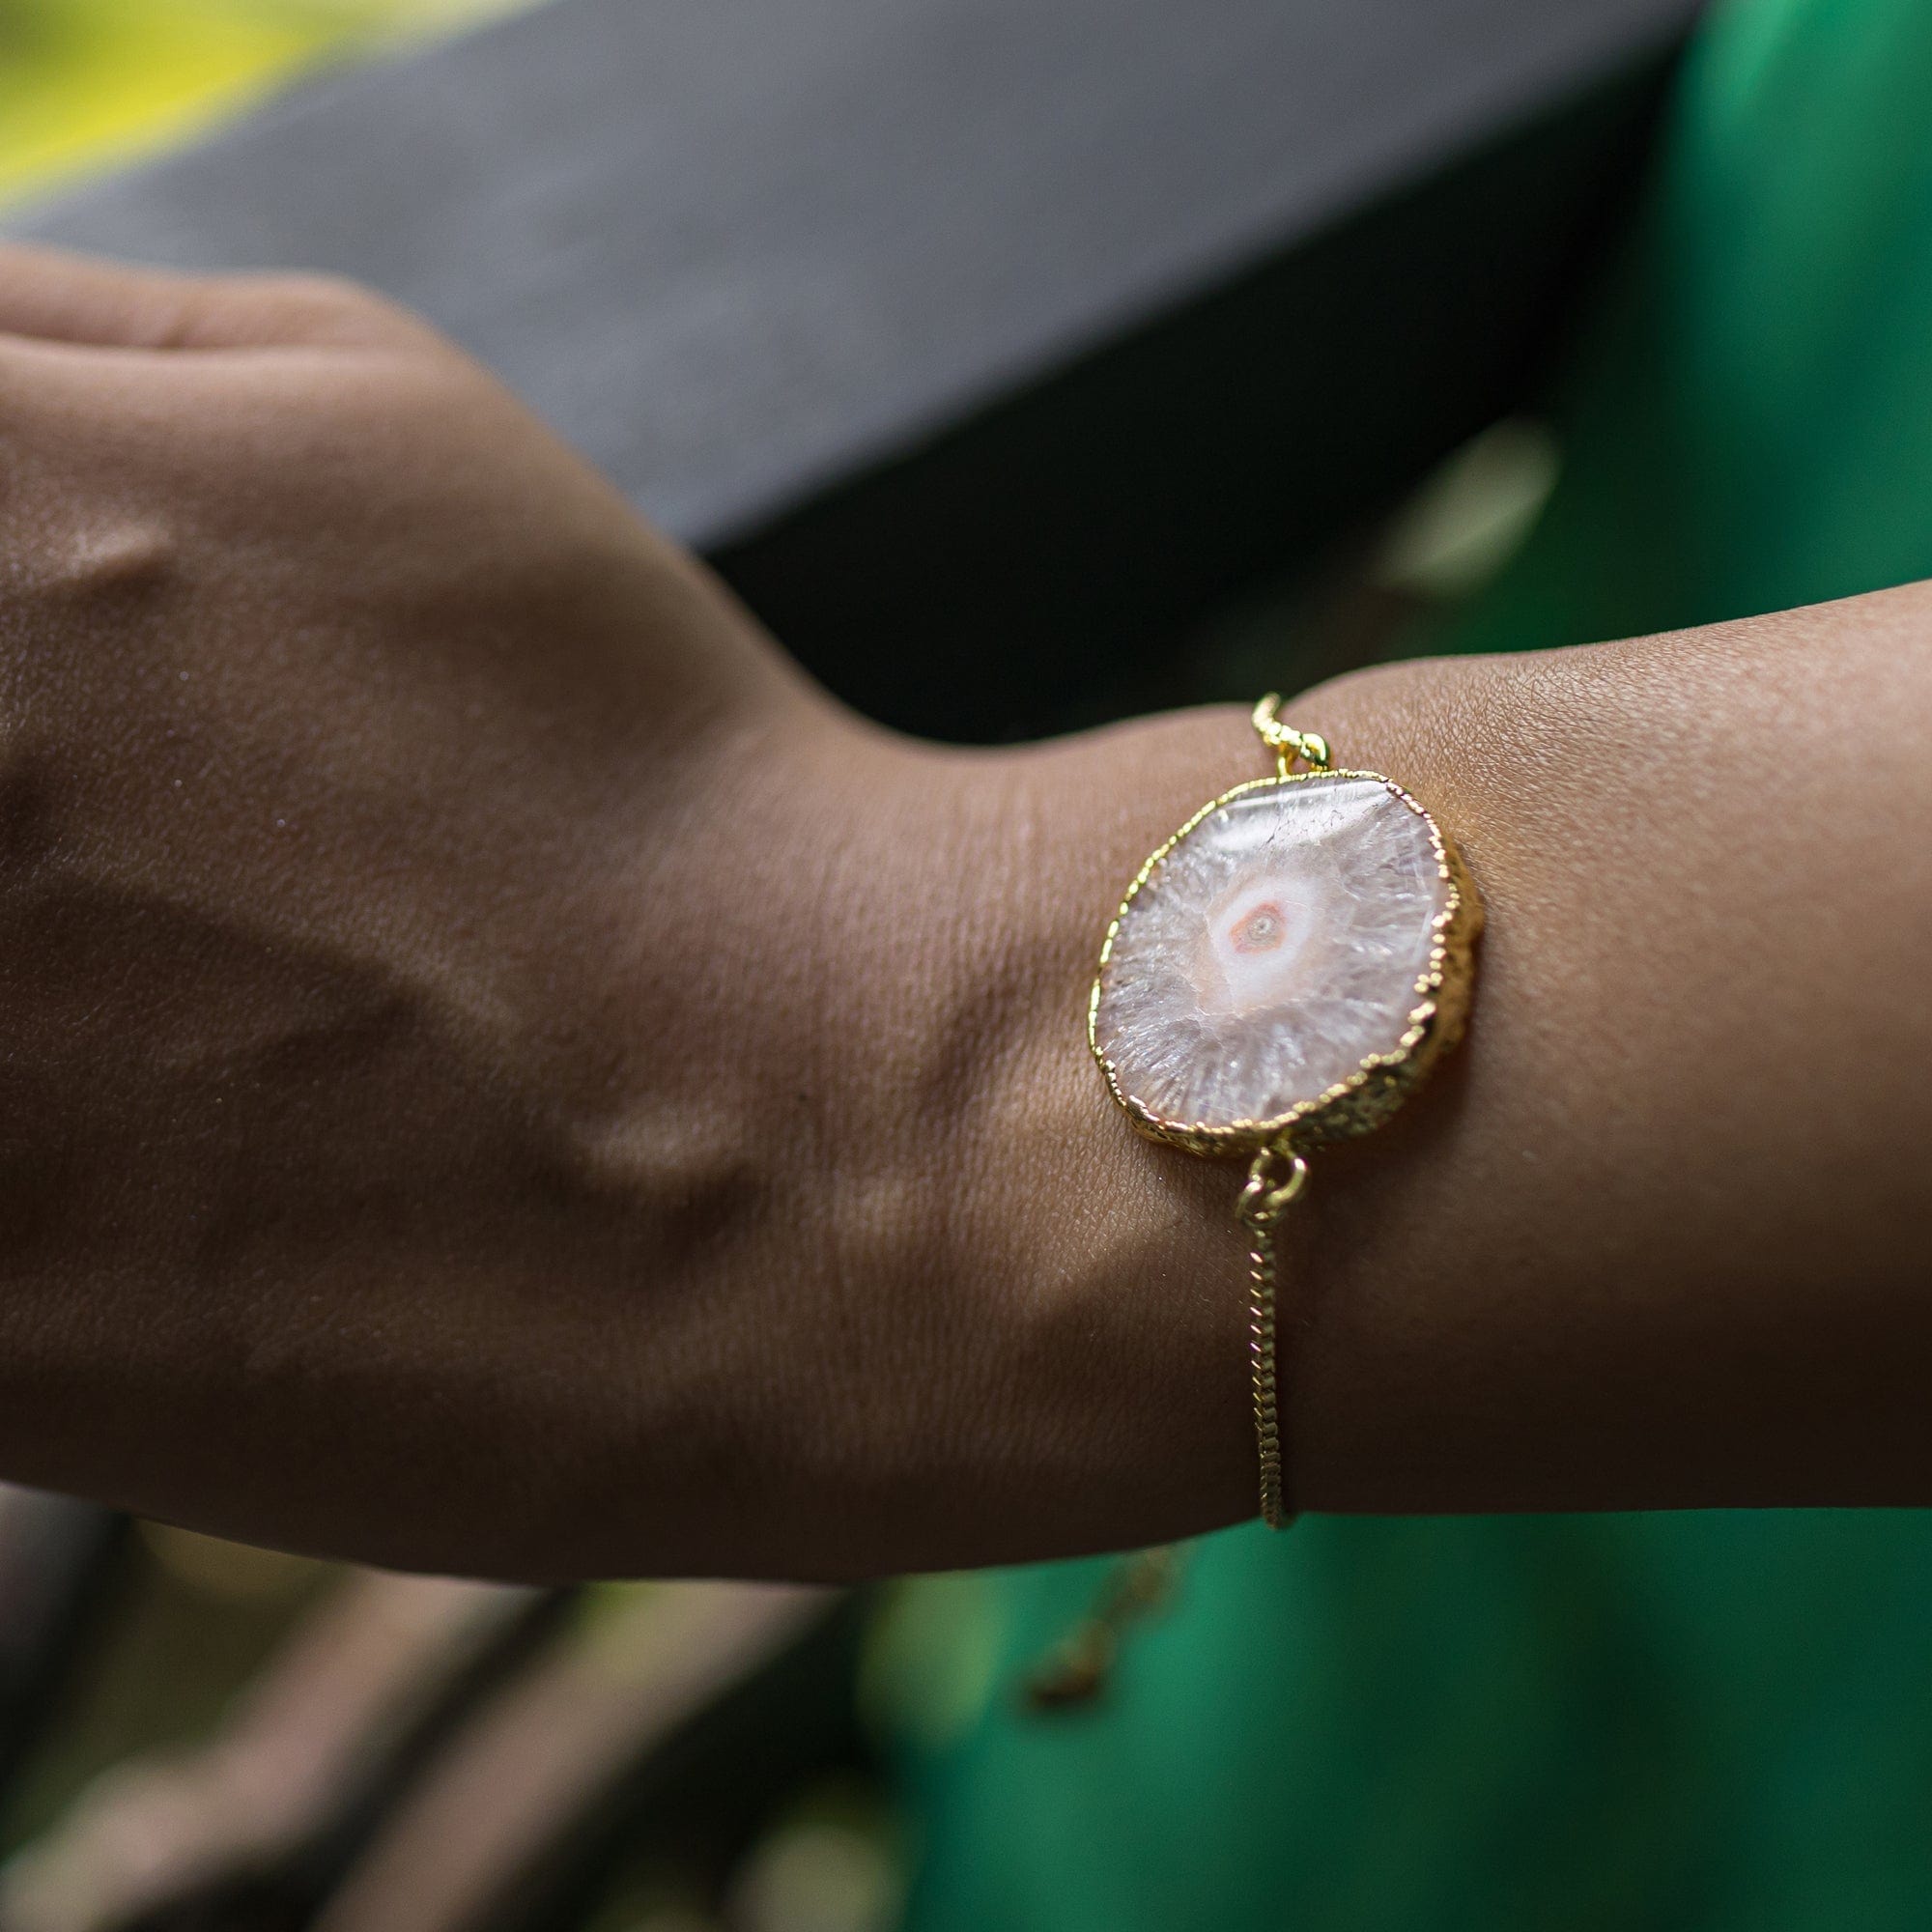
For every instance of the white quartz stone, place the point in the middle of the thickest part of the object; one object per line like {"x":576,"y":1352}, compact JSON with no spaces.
{"x":1271,"y":952}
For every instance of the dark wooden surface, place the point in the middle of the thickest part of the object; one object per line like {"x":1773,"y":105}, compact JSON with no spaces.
{"x":981,"y":342}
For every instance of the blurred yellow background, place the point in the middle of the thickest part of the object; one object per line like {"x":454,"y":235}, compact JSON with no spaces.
{"x":86,"y":83}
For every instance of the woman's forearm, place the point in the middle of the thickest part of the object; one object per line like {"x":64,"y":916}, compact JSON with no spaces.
{"x":505,"y":1076}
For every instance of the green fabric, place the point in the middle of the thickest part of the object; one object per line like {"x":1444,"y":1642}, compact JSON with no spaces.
{"x":1712,"y":1722}
{"x":1752,"y":428}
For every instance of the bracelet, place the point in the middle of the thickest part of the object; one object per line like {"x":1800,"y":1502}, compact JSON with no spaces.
{"x":1284,"y":971}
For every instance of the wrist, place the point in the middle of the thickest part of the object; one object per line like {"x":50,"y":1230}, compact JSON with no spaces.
{"x":1109,"y":1268}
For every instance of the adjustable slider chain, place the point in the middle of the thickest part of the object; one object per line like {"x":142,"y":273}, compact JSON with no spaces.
{"x":1076,"y":1670}
{"x":1274,"y":1183}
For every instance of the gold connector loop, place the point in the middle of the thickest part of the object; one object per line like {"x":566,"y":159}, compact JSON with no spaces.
{"x":1268,"y":1194}
{"x":1286,"y":743}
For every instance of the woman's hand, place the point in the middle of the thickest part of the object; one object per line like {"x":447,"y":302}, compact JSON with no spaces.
{"x":500,"y":1074}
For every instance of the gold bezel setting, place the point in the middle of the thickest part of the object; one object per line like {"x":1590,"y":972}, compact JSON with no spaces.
{"x":1378,"y":1085}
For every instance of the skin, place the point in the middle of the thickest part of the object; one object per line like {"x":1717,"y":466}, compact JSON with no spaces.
{"x":500,"y":1074}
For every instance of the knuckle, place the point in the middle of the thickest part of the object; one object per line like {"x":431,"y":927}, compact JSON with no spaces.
{"x":129,"y":556}
{"x":313,"y":306}
{"x":102,"y":564}
{"x":315,"y":293}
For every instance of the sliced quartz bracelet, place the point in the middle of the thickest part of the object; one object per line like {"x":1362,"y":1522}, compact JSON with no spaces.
{"x":1283,"y":972}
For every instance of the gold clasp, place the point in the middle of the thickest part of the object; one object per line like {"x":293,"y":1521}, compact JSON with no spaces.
{"x":1286,"y":742}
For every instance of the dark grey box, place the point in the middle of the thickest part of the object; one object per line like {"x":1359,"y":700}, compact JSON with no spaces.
{"x":980,"y":343}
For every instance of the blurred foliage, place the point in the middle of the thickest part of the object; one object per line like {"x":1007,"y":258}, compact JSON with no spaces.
{"x":193,"y":1619}
{"x":84,"y":83}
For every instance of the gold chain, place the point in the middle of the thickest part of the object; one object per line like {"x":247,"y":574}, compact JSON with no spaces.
{"x":1275,"y":1181}
{"x":1286,"y":742}
{"x":1075,"y":1671}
